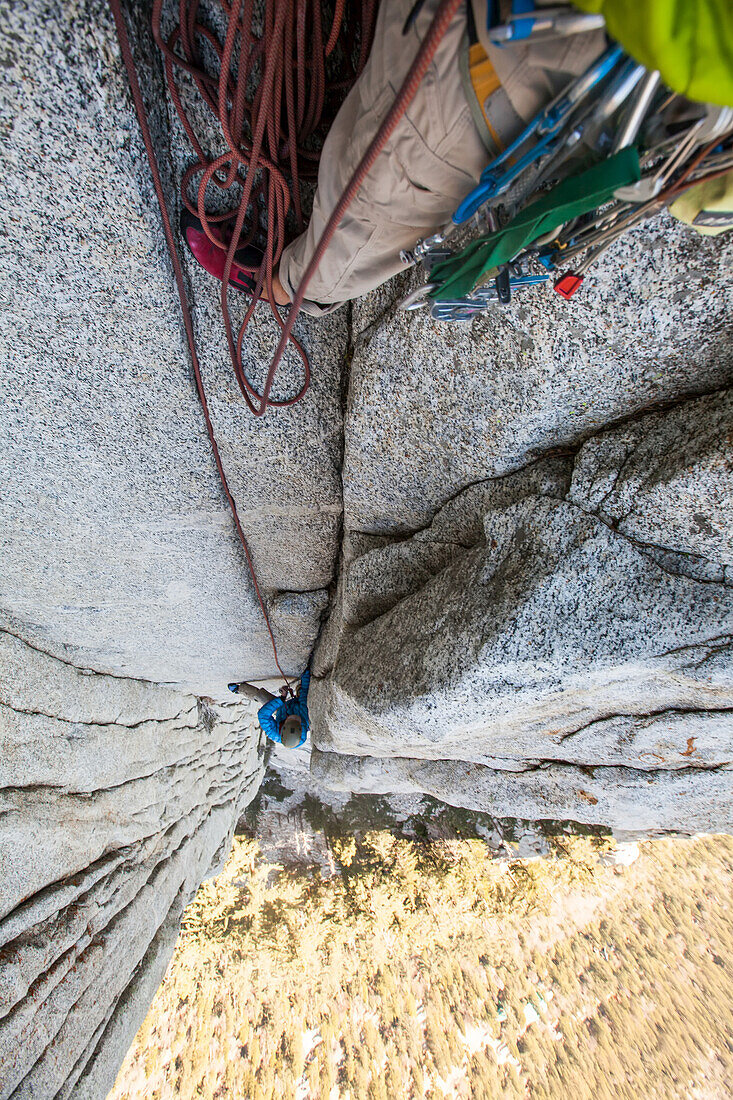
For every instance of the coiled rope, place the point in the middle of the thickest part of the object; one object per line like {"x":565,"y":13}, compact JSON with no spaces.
{"x":265,"y":82}
{"x":270,"y":86}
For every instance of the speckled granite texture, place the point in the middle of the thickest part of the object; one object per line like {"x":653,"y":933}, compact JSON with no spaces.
{"x":119,"y":550}
{"x":435,"y":407}
{"x":533,"y":612}
{"x":569,"y":622}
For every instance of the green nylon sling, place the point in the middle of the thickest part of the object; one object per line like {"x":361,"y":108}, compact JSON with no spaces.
{"x":578,"y":195}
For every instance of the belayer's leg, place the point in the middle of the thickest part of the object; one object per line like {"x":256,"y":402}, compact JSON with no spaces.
{"x":431,"y":161}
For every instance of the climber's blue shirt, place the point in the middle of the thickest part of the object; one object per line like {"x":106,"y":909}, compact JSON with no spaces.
{"x":273,"y":713}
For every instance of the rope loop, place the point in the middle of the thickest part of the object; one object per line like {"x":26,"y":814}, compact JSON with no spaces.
{"x":274,"y":83}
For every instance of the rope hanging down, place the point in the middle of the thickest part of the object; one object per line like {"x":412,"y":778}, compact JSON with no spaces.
{"x":229,"y":94}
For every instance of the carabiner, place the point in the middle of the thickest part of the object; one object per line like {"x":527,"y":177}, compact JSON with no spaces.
{"x":417,"y":298}
{"x":547,"y":129}
{"x":539,"y":23}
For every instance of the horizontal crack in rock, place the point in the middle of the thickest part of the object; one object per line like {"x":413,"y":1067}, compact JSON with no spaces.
{"x":92,"y":722}
{"x":644,"y":714}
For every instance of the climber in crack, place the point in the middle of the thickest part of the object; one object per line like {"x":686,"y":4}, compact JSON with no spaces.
{"x":474,"y":99}
{"x":284,"y":721}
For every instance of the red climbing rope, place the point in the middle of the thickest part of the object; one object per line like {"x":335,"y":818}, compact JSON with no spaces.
{"x":181,"y":286}
{"x":274,"y":83}
{"x":438,"y":27}
{"x":261,"y":73}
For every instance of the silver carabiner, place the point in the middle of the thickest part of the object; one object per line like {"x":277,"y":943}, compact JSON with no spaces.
{"x":417,"y":298}
{"x":464,"y":309}
{"x":454,"y":311}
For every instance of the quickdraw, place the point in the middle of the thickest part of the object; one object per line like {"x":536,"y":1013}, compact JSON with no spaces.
{"x":526,"y":22}
{"x":682,"y":143}
{"x":547,"y":130}
{"x":466,"y":308}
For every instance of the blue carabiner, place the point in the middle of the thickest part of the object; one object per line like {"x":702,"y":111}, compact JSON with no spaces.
{"x":547,"y":125}
{"x":519,"y":7}
{"x":495,"y":183}
{"x":527,"y":21}
{"x":527,"y":280}
{"x":520,"y":23}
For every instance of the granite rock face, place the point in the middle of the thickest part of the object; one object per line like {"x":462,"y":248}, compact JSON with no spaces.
{"x":117,"y":797}
{"x":665,"y":482}
{"x":125,"y":602}
{"x":118,"y":547}
{"x":435,"y":407}
{"x":533,"y":613}
{"x":622,"y":798}
{"x":535,"y":584}
{"x":555,"y":643}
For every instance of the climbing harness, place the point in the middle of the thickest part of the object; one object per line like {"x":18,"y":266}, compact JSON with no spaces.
{"x":648,"y":147}
{"x":261,"y":153}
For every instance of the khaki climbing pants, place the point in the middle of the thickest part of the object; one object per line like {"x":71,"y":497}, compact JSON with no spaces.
{"x":431,"y":161}
{"x":473,"y":100}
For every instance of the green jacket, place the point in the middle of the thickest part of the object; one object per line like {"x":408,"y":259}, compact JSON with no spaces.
{"x":689,"y":41}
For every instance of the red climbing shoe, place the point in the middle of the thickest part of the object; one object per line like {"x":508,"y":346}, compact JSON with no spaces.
{"x":212,"y":259}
